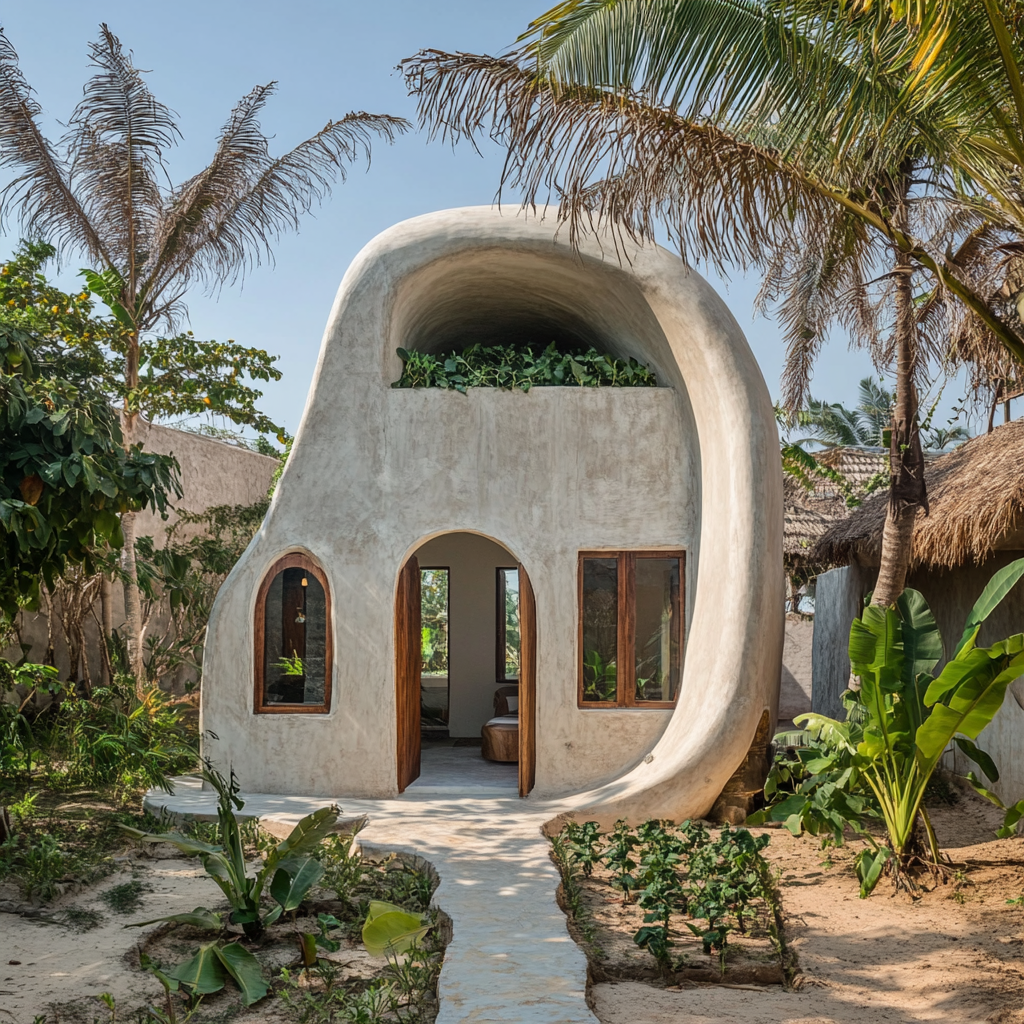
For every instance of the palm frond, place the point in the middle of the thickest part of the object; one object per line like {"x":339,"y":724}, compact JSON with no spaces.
{"x":236,"y":229}
{"x":116,"y":139}
{"x":40,"y":189}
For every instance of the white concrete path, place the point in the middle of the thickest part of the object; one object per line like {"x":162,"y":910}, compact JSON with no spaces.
{"x":511,"y":959}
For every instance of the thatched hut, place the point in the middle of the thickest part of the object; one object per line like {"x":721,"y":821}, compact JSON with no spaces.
{"x":974,"y":526}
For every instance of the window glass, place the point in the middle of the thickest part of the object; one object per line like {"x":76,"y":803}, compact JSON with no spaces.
{"x":508,"y":625}
{"x":656,"y":633}
{"x":295,"y":639}
{"x":600,"y":614}
{"x":434,"y":696}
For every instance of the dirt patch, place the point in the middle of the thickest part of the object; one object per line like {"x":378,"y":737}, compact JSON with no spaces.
{"x":954,"y":954}
{"x":608,"y":924}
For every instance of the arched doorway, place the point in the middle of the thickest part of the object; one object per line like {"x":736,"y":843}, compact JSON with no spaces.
{"x":448,"y":702}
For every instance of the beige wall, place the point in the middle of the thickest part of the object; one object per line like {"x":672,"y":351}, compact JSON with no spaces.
{"x":376,"y":472}
{"x":472,"y":562}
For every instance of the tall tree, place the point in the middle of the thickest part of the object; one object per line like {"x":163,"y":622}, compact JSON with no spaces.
{"x":98,"y":192}
{"x":694,"y":113}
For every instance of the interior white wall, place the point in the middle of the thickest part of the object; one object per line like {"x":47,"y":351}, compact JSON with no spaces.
{"x":472,"y":562}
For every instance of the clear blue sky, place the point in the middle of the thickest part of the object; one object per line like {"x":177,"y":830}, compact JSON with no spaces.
{"x":328,"y":58}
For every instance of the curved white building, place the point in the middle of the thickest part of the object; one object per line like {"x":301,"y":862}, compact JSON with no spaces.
{"x":645,"y":522}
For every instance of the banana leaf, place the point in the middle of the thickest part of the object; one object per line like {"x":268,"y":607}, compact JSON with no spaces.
{"x":289,"y":887}
{"x":203,"y":974}
{"x":189,"y":847}
{"x":972,"y":687}
{"x":390,"y":930}
{"x":198,"y":918}
{"x":306,"y":835}
{"x":998,"y":587}
{"x":245,"y":971}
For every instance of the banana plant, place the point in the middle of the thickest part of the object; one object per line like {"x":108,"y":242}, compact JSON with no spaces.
{"x":290,"y":867}
{"x":910,"y":717}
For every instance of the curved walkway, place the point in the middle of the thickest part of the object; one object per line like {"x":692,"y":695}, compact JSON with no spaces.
{"x":511,"y":959}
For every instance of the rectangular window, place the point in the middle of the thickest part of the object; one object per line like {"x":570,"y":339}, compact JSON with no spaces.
{"x":631,"y":628}
{"x":434,"y":683}
{"x":507,"y":646}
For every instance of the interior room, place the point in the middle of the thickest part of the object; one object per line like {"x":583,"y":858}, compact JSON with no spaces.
{"x":469,"y":620}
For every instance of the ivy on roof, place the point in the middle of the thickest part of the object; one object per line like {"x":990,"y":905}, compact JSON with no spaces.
{"x":519,"y":366}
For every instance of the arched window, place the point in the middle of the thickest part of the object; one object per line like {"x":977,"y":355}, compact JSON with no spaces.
{"x":293,"y":639}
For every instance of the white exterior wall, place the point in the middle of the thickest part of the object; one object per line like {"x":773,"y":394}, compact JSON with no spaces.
{"x":376,"y":472}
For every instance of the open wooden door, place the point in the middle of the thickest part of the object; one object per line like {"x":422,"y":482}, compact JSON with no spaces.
{"x":527,"y":684}
{"x":408,"y":662}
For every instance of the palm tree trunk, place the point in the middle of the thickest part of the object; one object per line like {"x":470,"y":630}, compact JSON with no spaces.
{"x":132,"y":598}
{"x":906,"y":459}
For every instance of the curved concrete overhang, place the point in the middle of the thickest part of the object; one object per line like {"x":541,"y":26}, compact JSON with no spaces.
{"x":444,"y":279}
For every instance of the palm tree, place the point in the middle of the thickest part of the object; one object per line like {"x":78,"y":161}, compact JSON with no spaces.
{"x":834,"y":425}
{"x":694,"y":113}
{"x":99,"y":192}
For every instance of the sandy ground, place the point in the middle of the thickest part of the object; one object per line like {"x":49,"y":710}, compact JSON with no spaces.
{"x":953,"y":955}
{"x":44,"y":963}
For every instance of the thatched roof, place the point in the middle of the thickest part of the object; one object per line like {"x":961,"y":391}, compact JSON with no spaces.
{"x":976,"y":506}
{"x":803,"y":528}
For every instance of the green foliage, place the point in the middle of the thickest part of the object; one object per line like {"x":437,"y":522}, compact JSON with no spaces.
{"x":342,"y":862}
{"x":117,"y":736}
{"x":64,"y":474}
{"x":434,"y":619}
{"x":878,"y":763}
{"x":37,"y":863}
{"x":600,"y":677}
{"x":519,"y":366}
{"x":718,"y":883}
{"x":289,"y":868}
{"x":390,"y":931}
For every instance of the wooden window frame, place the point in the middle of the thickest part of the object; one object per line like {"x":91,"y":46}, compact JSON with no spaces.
{"x":295,"y":560}
{"x":625,"y":660}
{"x":499,"y":628}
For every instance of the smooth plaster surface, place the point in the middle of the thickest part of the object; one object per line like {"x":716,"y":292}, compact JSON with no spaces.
{"x":375,"y":472}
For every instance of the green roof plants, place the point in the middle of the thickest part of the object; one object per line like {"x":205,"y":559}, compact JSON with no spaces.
{"x":520,"y":366}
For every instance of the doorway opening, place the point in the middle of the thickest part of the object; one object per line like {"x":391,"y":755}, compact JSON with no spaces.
{"x":465,"y":660}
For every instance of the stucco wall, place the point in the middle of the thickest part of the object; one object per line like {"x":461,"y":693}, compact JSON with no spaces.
{"x":375,"y":472}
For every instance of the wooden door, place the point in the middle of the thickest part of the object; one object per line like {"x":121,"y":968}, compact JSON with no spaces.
{"x":408,"y":663}
{"x":527,"y":684}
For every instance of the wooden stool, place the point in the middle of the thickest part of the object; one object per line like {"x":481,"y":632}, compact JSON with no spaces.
{"x":501,"y":739}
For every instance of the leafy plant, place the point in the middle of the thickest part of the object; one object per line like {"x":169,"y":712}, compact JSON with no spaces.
{"x":38,"y":864}
{"x":342,"y":862}
{"x":600,"y":677}
{"x":584,"y":842}
{"x":519,"y":366}
{"x":208,"y":971}
{"x":618,"y":855}
{"x":899,"y":723}
{"x":389,"y":930}
{"x":1012,"y":814}
{"x":290,"y":867}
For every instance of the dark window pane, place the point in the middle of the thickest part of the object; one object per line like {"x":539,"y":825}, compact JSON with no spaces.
{"x":295,"y":639}
{"x":656,"y":640}
{"x":600,"y":614}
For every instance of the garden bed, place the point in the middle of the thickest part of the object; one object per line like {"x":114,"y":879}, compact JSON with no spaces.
{"x":952,"y":954}
{"x":70,"y":958}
